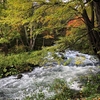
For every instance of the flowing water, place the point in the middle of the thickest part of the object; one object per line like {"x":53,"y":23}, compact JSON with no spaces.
{"x":40,"y":78}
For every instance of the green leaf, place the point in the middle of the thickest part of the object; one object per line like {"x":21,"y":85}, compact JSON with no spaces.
{"x":4,"y":70}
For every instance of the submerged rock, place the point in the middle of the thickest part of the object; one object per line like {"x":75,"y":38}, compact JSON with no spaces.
{"x":19,"y":76}
{"x":2,"y":96}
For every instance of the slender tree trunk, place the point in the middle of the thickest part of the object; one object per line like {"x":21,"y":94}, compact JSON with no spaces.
{"x":5,"y":49}
{"x":26,"y":35}
{"x":32,"y":38}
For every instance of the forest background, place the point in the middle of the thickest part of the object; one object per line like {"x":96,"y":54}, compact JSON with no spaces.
{"x":31,"y":28}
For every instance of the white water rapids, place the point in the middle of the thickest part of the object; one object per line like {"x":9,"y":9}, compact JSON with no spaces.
{"x":41,"y":77}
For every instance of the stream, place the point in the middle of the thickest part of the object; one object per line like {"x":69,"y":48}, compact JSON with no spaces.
{"x":41,"y":78}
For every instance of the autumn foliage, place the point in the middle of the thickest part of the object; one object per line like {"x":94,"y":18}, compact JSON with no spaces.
{"x":74,"y":23}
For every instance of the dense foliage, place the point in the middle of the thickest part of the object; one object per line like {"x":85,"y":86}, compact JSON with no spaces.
{"x":29,"y":24}
{"x":17,"y":63}
{"x":26,"y":61}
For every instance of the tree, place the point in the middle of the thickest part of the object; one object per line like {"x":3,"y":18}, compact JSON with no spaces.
{"x":93,"y":28}
{"x":16,"y":16}
{"x":91,"y":19}
{"x":31,"y":18}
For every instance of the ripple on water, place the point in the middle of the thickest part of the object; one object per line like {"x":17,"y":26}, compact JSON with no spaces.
{"x":41,"y":77}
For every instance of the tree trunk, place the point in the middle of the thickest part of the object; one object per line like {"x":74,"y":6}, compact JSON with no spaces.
{"x":94,"y":35}
{"x":5,"y":49}
{"x":97,"y":32}
{"x":97,"y":11}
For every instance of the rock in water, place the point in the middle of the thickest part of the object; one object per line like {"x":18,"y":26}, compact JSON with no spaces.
{"x":19,"y":76}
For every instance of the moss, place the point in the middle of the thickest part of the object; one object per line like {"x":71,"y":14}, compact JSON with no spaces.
{"x":79,"y":60}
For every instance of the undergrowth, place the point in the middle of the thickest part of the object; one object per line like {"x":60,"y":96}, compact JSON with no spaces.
{"x":26,"y":61}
